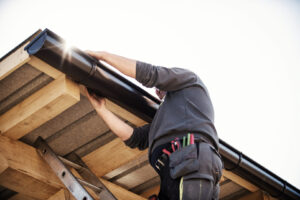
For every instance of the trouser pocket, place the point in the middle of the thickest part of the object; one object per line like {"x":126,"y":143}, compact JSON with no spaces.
{"x":209,"y":164}
{"x":183,"y":161}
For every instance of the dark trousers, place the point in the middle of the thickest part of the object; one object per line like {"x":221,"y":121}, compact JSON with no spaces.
{"x":201,"y":185}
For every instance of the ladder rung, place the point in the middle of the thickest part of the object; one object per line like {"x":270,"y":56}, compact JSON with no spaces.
{"x":71,"y":164}
{"x":79,"y":167}
{"x":93,"y":187}
{"x":72,"y":183}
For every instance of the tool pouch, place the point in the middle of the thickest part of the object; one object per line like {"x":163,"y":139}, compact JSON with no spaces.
{"x":183,"y":161}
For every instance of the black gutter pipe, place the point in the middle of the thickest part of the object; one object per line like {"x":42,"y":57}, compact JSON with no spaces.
{"x":88,"y":71}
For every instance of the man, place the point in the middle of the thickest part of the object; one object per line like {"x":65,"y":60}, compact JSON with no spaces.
{"x":188,"y":168}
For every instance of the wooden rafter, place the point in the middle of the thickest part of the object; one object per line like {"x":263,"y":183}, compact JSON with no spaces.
{"x":258,"y":195}
{"x":26,"y":172}
{"x":151,"y":191}
{"x":240,"y":181}
{"x":16,"y":58}
{"x":44,"y":67}
{"x":62,"y":194}
{"x":13,"y":61}
{"x":111,"y":156}
{"x":21,"y":197}
{"x":40,"y":107}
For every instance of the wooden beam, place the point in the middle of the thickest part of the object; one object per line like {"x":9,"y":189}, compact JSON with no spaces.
{"x":123,"y":113}
{"x":13,"y":61}
{"x":21,"y":197}
{"x":119,"y":111}
{"x":28,"y":174}
{"x":111,"y":156}
{"x":151,"y":191}
{"x":17,"y":58}
{"x":40,"y":107}
{"x":62,"y":194}
{"x":3,"y":163}
{"x":121,"y":193}
{"x":258,"y":195}
{"x":222,"y":179}
{"x":240,"y":181}
{"x":44,"y":67}
{"x":137,"y":177}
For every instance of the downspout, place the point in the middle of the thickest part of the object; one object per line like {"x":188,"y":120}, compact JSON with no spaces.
{"x":86,"y":70}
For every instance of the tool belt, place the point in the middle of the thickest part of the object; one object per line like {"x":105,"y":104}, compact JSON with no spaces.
{"x":182,"y":159}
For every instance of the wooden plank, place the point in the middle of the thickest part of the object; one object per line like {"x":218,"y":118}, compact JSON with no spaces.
{"x":40,"y":107}
{"x":62,"y":194}
{"x":121,"y":193}
{"x":18,"y":79}
{"x":26,"y":173}
{"x":3,"y":163}
{"x":229,"y":189}
{"x":151,"y":191}
{"x":111,"y":156}
{"x":258,"y":195}
{"x":21,"y":197}
{"x":136,"y":163}
{"x":13,"y":61}
{"x":44,"y":67}
{"x":240,"y":181}
{"x":121,"y":112}
{"x":137,"y":177}
{"x":222,"y":179}
{"x":68,"y":117}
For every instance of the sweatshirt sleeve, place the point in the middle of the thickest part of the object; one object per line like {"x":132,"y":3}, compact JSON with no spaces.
{"x":139,"y":138}
{"x":167,"y":79}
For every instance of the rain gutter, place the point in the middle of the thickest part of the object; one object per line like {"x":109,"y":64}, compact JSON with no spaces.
{"x":88,"y":71}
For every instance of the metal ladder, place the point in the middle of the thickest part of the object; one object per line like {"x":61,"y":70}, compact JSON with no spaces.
{"x":73,"y":184}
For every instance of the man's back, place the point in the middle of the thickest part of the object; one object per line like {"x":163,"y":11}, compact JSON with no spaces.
{"x":186,"y":108}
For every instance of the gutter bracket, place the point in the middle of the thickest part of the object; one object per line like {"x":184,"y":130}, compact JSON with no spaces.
{"x":237,"y":165}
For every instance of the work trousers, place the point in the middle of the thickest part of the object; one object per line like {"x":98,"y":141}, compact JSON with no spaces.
{"x":198,"y":185}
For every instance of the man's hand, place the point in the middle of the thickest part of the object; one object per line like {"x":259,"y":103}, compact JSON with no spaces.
{"x":116,"y":125}
{"x":99,"y":55}
{"x":97,"y":102}
{"x":124,"y":65}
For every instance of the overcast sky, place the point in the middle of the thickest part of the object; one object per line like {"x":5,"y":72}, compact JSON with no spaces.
{"x":246,"y":52}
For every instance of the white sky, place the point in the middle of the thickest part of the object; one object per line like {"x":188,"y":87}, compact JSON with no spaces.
{"x":246,"y":52}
